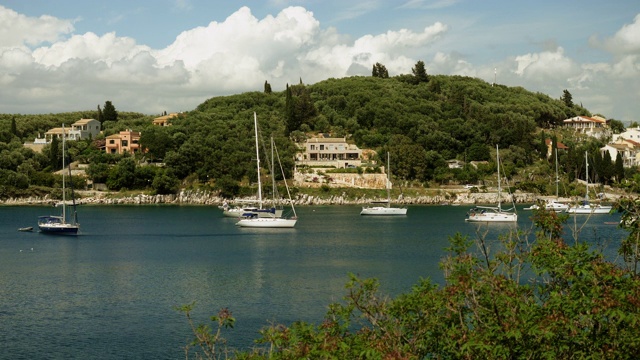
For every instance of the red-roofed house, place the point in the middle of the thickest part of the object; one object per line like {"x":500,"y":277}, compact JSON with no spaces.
{"x":560,"y":146}
{"x":595,"y":126}
{"x":629,"y":150}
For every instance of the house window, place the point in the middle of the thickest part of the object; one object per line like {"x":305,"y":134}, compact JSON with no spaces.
{"x":112,"y":141}
{"x":321,"y":147}
{"x":313,"y":147}
{"x":125,"y":143}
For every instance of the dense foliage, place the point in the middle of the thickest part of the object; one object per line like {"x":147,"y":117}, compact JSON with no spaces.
{"x":524,"y":299}
{"x":422,"y":120}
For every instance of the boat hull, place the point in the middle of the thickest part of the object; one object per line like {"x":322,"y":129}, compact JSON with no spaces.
{"x":59,"y":229}
{"x":588,"y":210}
{"x":555,"y":206}
{"x":382,"y":210}
{"x":267,"y":223}
{"x":490,"y":216}
{"x":245,"y":212}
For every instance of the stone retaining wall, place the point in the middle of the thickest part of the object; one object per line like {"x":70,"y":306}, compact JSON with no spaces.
{"x":187,"y":197}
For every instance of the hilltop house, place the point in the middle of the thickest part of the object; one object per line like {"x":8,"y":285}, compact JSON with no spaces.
{"x":321,"y":151}
{"x":164,"y":120}
{"x":595,"y":126}
{"x":80,"y":130}
{"x":125,"y":141}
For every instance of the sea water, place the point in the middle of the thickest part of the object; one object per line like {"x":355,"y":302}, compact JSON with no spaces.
{"x":111,"y":291}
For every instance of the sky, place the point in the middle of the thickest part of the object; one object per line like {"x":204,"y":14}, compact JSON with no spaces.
{"x":152,"y":56}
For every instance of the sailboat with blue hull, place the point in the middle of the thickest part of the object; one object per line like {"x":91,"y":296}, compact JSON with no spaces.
{"x":57,"y":224}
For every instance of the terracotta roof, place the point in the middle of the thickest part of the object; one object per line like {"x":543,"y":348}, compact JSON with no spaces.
{"x":558,"y":144}
{"x":166,"y":117}
{"x":83,"y":121}
{"x":581,"y":118}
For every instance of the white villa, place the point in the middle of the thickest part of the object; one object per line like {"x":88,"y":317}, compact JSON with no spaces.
{"x":629,"y":150}
{"x":595,"y":126}
{"x":329,"y":152}
{"x":81,"y":129}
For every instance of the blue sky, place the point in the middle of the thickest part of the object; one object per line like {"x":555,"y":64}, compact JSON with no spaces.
{"x":171,"y":55}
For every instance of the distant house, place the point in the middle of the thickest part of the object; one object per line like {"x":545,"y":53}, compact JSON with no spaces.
{"x":629,"y":150}
{"x":455,"y":164}
{"x":559,"y":145}
{"x":80,"y":130}
{"x":164,"y":120}
{"x":86,"y":128}
{"x":330,"y":152}
{"x":125,"y":141}
{"x":629,"y":134}
{"x":595,"y":126}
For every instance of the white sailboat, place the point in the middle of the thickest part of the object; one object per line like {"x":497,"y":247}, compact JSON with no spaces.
{"x":491,"y":213}
{"x":57,"y":224}
{"x":553,"y":204}
{"x":240,"y":211}
{"x":251,"y":210}
{"x":253,"y":220}
{"x":384,"y":210}
{"x":586,"y":207}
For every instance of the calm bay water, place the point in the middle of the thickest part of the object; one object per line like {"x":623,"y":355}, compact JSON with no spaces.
{"x":109,"y":293}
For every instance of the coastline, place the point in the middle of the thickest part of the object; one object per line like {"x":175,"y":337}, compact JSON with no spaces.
{"x":201,"y":197}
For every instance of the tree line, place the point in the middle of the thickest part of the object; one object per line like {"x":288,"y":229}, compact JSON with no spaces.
{"x":422,"y":120}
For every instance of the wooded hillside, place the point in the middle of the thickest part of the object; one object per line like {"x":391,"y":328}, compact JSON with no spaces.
{"x":422,"y":123}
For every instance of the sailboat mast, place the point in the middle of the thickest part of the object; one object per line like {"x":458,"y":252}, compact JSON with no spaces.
{"x":499,"y":189}
{"x":557,"y":179}
{"x":586,"y":176}
{"x":388,"y":180}
{"x":255,"y":123}
{"x":64,"y":198}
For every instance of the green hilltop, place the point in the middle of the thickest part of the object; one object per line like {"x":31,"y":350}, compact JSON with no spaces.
{"x":422,"y":122}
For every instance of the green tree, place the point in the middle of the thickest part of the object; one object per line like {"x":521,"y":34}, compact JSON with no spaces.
{"x":55,"y":158}
{"x":165,"y":182}
{"x":109,"y":112}
{"x":122,"y":176}
{"x":420,"y":72}
{"x":98,"y":172}
{"x":14,"y":128}
{"x":618,"y":171}
{"x":566,"y":98}
{"x":291,"y":120}
{"x":380,"y":71}
{"x":227,"y":187}
{"x":100,"y":116}
{"x":267,"y":87}
{"x":616,"y":126}
{"x":157,"y":141}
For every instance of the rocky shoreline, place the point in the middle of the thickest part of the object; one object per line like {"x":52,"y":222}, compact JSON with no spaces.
{"x":199,"y":197}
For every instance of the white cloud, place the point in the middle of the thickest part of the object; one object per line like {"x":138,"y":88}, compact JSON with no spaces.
{"x":55,"y":70}
{"x":624,"y":41}
{"x":545,"y":66}
{"x":18,"y":30}
{"x":107,"y":48}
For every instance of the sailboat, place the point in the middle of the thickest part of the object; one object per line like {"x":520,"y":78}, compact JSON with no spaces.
{"x":385,"y":210}
{"x":585,"y":207}
{"x":554,"y":204}
{"x":240,"y":211}
{"x":251,"y":220}
{"x":493,"y":214}
{"x":251,"y":210}
{"x":57,"y":224}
